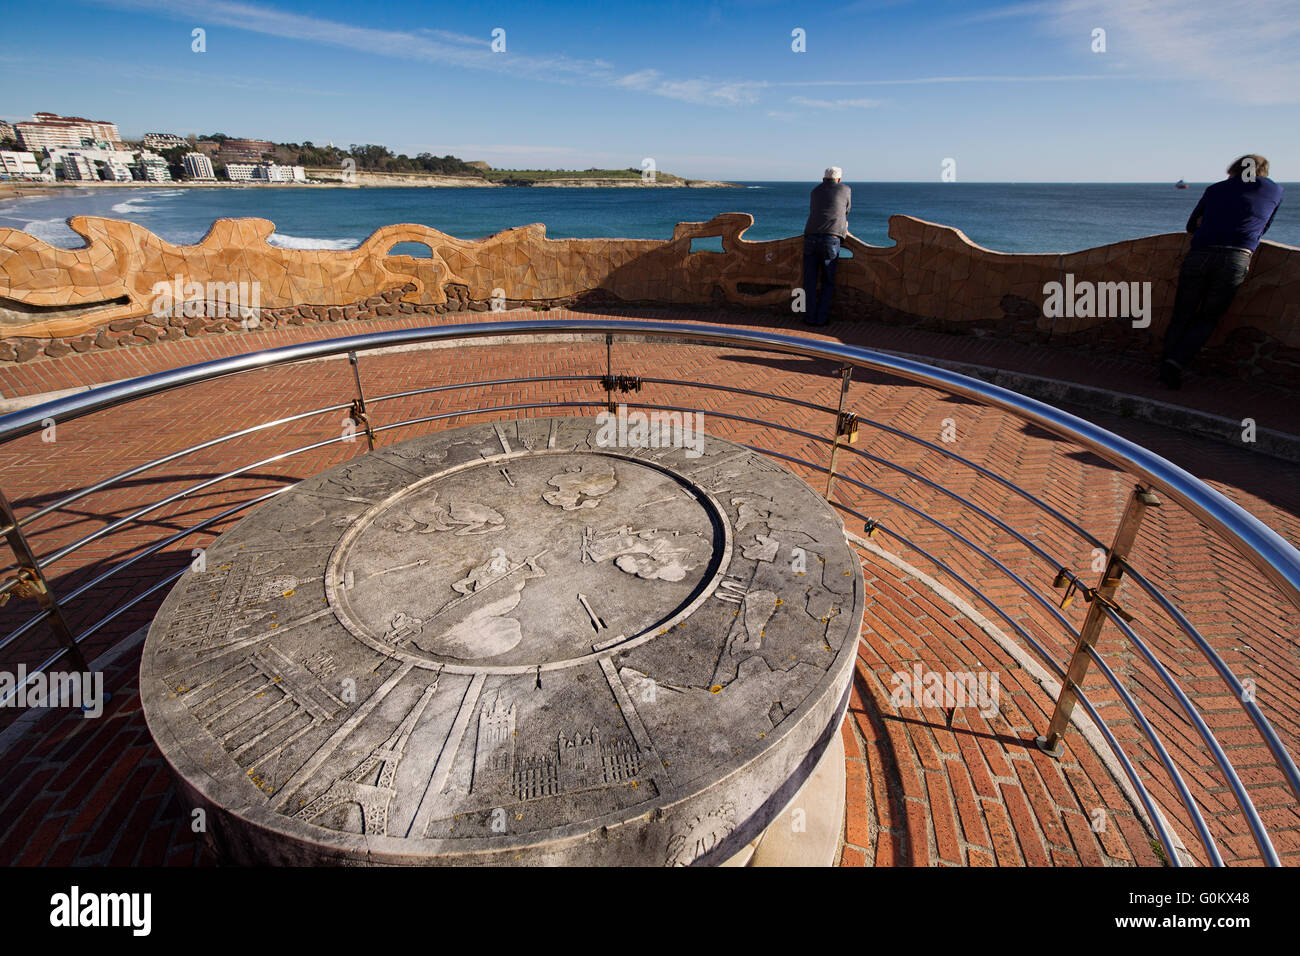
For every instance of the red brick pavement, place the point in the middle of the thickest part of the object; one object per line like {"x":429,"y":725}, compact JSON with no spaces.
{"x":919,"y":792}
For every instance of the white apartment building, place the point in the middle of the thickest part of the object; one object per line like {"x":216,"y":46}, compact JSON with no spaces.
{"x":153,"y":169}
{"x":14,"y":163}
{"x":51,"y":131}
{"x":265,"y":173}
{"x":163,"y":141}
{"x":288,"y":174}
{"x":45,"y":136}
{"x":121,"y":157}
{"x":116,"y":172}
{"x":242,"y":172}
{"x":198,"y":166}
{"x":77,"y":167}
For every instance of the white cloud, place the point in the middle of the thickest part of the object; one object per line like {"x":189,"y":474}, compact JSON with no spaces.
{"x":1011,"y":11}
{"x":700,"y":90}
{"x":1244,"y":49}
{"x":461,"y":38}
{"x":434,"y":46}
{"x":1239,"y":49}
{"x":923,"y":80}
{"x":858,"y":104}
{"x":438,"y":46}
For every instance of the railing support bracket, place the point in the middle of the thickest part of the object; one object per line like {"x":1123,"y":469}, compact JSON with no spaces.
{"x":1098,"y":598}
{"x":846,"y":428}
{"x":31,"y":583}
{"x":358,"y":412}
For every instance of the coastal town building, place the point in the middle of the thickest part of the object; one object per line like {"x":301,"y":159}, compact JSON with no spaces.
{"x":159,"y":141}
{"x":153,"y":168}
{"x":77,"y":168}
{"x":49,"y":130}
{"x":115,"y":171}
{"x":198,"y":166}
{"x":241,"y":172}
{"x":277,"y":173}
{"x":13,"y":163}
{"x":34,"y":136}
{"x":97,"y":157}
{"x":264,"y":172}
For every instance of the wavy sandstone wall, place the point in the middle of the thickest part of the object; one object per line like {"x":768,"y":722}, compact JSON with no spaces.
{"x":53,"y":301}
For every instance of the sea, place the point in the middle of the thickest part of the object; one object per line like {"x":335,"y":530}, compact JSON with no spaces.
{"x":1007,"y":217}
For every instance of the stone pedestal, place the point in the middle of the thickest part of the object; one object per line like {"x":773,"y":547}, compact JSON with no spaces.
{"x":530,"y":643}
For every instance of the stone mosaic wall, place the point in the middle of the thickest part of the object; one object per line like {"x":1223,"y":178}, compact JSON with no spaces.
{"x":54,"y":301}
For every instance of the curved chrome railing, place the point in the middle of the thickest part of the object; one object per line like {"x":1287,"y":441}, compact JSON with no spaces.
{"x":1264,"y":550}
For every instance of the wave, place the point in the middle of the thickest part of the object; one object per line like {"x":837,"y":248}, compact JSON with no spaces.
{"x":55,"y":232}
{"x":303,"y":242}
{"x":132,"y":206}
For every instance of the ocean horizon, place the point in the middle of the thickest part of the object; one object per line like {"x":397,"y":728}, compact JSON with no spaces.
{"x":1005,"y":217}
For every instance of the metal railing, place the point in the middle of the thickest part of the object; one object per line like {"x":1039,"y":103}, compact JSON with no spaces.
{"x":1267,"y":553}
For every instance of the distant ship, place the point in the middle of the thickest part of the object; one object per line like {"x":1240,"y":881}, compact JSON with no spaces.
{"x":1180,"y":185}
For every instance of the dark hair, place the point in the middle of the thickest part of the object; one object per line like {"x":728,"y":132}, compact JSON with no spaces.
{"x":1239,"y":166}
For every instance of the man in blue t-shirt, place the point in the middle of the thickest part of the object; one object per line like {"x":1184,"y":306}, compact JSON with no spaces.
{"x":1226,"y":226}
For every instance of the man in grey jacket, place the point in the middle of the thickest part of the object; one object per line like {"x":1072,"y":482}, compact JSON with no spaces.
{"x":827,"y":226}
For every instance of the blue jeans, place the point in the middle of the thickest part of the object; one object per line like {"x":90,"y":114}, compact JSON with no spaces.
{"x":1207,"y":282}
{"x":821,"y":253}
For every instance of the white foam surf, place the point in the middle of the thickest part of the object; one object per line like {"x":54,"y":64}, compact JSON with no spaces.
{"x":305,"y":242}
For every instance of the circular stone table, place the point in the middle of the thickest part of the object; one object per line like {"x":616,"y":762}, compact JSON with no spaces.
{"x":510,"y":643}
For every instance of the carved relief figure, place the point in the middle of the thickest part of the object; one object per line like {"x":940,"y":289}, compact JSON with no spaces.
{"x":648,"y":553}
{"x":402,"y":629}
{"x":581,"y":487}
{"x":701,"y":836}
{"x":487,"y":572}
{"x":475,"y":624}
{"x":425,"y":516}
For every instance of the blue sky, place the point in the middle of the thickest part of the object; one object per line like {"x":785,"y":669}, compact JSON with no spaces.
{"x":887,"y":89}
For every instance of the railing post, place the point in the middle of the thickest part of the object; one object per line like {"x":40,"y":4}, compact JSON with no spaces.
{"x":359,"y":414}
{"x":1100,"y":597}
{"x":608,"y":380}
{"x":31,"y":582}
{"x":846,"y":427}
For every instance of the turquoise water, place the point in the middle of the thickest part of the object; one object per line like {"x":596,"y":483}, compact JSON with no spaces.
{"x":1009,"y":217}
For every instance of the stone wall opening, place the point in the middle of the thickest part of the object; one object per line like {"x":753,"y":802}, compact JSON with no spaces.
{"x":416,"y":250}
